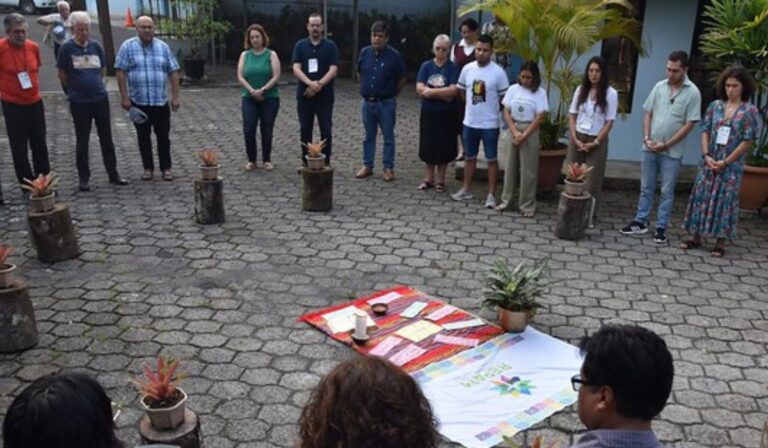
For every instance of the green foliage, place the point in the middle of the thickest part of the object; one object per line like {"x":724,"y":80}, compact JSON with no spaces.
{"x":736,"y":32}
{"x":196,"y":23}
{"x":555,"y":33}
{"x":515,"y":290}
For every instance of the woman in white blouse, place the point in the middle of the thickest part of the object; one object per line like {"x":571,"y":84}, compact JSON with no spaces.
{"x":525,"y":107}
{"x":592,"y":113}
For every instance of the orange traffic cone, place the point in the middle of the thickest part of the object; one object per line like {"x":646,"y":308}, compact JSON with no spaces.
{"x":129,"y":19}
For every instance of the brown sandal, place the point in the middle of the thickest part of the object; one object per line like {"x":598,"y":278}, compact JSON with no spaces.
{"x":690,"y":244}
{"x":440,"y":187}
{"x":425,"y":185}
{"x":717,"y":252}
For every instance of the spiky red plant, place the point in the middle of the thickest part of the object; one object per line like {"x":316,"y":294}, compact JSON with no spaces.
{"x":5,"y":251}
{"x":209,"y":157}
{"x":160,"y":385}
{"x":42,"y":185}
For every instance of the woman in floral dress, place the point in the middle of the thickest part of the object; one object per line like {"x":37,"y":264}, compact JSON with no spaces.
{"x":729,"y":130}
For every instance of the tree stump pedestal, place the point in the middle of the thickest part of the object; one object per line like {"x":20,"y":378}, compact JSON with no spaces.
{"x":186,"y":435}
{"x":573,"y":216}
{"x":318,"y":190}
{"x":209,"y":201}
{"x":18,"y":330}
{"x":52,"y":234}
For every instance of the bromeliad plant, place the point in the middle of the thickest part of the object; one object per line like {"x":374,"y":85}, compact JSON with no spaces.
{"x":515,"y":290}
{"x":42,"y":186}
{"x":577,"y":172}
{"x":5,"y":252}
{"x":160,"y":387}
{"x":315,"y":149}
{"x":208,"y":157}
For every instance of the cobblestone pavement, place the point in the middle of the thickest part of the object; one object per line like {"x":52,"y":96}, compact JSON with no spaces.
{"x":225,"y":298}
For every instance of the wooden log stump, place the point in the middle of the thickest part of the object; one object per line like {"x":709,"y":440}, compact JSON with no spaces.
{"x":573,"y":213}
{"x":52,"y":234}
{"x":18,"y":330}
{"x":209,"y":201}
{"x":186,"y":435}
{"x":318,"y":190}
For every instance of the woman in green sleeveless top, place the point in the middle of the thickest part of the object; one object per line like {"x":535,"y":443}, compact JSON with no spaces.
{"x":258,"y":72}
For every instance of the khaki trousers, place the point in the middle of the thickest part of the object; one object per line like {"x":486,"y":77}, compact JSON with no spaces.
{"x":521,"y":172}
{"x":596,"y":158}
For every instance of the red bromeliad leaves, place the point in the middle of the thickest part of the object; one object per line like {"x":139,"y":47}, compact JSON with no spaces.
{"x":5,"y":251}
{"x":42,"y":185}
{"x":161,"y":384}
{"x":208,"y":157}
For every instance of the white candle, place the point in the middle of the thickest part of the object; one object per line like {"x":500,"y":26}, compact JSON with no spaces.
{"x":361,"y":325}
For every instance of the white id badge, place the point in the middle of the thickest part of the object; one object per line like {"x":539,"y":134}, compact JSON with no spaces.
{"x":584,"y":122}
{"x":723,"y":132}
{"x":25,"y":81}
{"x":312,"y":65}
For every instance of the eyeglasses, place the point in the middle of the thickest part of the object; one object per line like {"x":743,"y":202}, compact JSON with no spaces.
{"x":577,"y":382}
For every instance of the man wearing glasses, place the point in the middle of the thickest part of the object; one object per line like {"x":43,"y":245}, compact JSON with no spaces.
{"x":671,"y":110}
{"x":624,"y":383}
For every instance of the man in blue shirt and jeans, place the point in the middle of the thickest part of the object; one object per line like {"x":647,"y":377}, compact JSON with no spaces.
{"x":382,"y":78}
{"x":315,"y":63}
{"x":145,"y":66}
{"x":81,"y":63}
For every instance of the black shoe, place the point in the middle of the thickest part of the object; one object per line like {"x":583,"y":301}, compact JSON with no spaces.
{"x":634,"y":228}
{"x":660,"y":237}
{"x":118,"y":181}
{"x":84,"y":186}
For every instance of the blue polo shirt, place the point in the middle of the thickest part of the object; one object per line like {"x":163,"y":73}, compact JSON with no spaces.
{"x":380,"y":73}
{"x":325,"y":54}
{"x":83,"y":64}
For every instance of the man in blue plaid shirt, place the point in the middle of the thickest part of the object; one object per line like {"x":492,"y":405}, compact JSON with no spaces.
{"x":145,"y":66}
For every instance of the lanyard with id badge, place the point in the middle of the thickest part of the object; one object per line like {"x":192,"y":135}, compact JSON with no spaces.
{"x":23,"y":75}
{"x":724,"y":131}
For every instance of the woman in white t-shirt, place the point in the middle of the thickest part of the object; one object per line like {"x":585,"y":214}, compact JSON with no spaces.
{"x":592,"y":113}
{"x":525,"y":107}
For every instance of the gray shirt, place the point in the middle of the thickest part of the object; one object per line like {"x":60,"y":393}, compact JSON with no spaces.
{"x":672,"y":113}
{"x":617,"y":438}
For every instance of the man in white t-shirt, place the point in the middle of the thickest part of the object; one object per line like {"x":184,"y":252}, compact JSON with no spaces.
{"x":482,"y":84}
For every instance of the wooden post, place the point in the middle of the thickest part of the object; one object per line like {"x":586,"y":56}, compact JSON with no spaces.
{"x":186,"y":435}
{"x":573,"y":213}
{"x":209,"y":201}
{"x":18,"y":330}
{"x":318,"y":190}
{"x":52,"y":234}
{"x":105,"y":28}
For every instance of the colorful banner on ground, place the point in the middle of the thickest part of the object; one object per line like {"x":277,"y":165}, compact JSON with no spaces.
{"x":500,"y":387}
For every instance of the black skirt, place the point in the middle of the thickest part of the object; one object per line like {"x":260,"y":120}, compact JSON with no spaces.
{"x":437,"y":136}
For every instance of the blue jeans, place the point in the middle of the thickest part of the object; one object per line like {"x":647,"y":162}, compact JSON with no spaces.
{"x":472,"y":138}
{"x":379,"y":114}
{"x":253,"y":111}
{"x":322,"y":107}
{"x":651,"y":166}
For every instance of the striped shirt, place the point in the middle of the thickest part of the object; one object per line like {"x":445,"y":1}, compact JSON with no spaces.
{"x":147,"y":68}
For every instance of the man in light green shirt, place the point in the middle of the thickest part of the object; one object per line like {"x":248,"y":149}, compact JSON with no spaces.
{"x":671,"y":110}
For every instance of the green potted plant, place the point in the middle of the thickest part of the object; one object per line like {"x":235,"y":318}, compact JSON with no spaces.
{"x":515,"y":292}
{"x":556,"y":34}
{"x":197,"y":25}
{"x":736,"y":32}
{"x":6,"y":269}
{"x":41,"y":191}
{"x":209,"y":164}
{"x":163,"y":401}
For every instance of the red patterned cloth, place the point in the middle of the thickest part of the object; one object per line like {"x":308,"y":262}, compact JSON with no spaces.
{"x":390,"y":323}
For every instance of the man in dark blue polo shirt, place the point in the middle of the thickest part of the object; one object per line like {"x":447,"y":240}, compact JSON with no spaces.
{"x":382,"y":77}
{"x":80,"y":64}
{"x":315,"y":63}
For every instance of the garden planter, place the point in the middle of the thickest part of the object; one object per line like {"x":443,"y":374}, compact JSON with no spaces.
{"x":575,"y":188}
{"x":317,"y":190}
{"x":316,"y":163}
{"x":514,"y":321}
{"x":754,"y":188}
{"x":209,"y":173}
{"x":6,"y":275}
{"x":41,"y":204}
{"x":166,"y":418}
{"x":574,"y":215}
{"x":194,"y":68}
{"x":209,"y":201}
{"x":550,"y":167}
{"x":18,"y":330}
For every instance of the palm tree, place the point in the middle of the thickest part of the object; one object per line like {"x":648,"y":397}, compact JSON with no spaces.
{"x":556,"y":33}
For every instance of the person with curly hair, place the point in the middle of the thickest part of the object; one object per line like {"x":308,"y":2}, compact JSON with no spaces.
{"x":368,"y":403}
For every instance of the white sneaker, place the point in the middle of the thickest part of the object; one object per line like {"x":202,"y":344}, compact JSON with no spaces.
{"x":462,"y":195}
{"x":490,"y":201}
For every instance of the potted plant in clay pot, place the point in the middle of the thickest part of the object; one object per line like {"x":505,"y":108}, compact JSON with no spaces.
{"x":41,"y":191}
{"x":514,"y":292}
{"x":209,"y":164}
{"x":576,"y":178}
{"x":163,"y":401}
{"x":6,"y":269}
{"x":315,"y":157}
